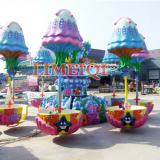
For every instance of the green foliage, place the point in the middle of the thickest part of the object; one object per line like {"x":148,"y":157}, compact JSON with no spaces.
{"x":136,"y":66}
{"x":85,"y":91}
{"x":53,"y":112}
{"x":96,"y":100}
{"x":125,"y":62}
{"x":84,"y":111}
{"x":102,"y":116}
{"x":103,"y":106}
{"x":11,"y":63}
{"x":83,"y":103}
{"x":60,"y":58}
{"x":87,"y":45}
{"x":74,"y":56}
{"x":64,"y":96}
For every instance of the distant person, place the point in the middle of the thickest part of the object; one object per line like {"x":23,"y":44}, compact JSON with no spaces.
{"x":153,"y":84}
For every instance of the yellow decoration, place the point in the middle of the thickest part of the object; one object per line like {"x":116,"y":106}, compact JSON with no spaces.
{"x":79,"y":116}
{"x":127,"y":126}
{"x":45,"y":119}
{"x":143,"y":113}
{"x":17,"y":107}
{"x":143,"y":103}
{"x":9,"y":80}
{"x":130,"y":111}
{"x":68,"y":60}
{"x":24,"y":115}
{"x":91,"y":60}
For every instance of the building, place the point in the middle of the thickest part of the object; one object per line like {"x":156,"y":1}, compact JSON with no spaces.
{"x":150,"y":69}
{"x":95,"y":56}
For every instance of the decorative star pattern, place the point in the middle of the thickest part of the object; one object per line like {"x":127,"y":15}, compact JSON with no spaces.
{"x":99,"y":109}
{"x":9,"y":104}
{"x":42,"y":95}
{"x":63,"y":125}
{"x":13,"y":98}
{"x":127,"y":119}
{"x":91,"y":107}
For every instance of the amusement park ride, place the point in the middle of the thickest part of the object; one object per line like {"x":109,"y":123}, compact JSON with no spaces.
{"x":66,"y":112}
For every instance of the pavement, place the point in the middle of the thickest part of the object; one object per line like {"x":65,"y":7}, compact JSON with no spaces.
{"x":96,"y":142}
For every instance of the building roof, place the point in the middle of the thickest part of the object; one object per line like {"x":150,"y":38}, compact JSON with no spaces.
{"x":97,"y":52}
{"x":154,"y":53}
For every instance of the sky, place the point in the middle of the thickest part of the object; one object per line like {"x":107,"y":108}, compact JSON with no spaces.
{"x":95,"y":19}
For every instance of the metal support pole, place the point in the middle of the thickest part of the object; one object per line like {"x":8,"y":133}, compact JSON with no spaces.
{"x":9,"y":97}
{"x":137,"y":89}
{"x":59,"y":93}
{"x":13,"y":87}
{"x":42,"y":85}
{"x":142,"y":86}
{"x":113,"y":86}
{"x":126,"y":86}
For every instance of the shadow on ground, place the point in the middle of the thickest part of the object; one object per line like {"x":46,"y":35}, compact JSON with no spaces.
{"x":21,"y":152}
{"x":30,"y":118}
{"x":106,"y":136}
{"x":20,"y":131}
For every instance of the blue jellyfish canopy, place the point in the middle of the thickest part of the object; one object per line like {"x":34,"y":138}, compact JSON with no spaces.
{"x":43,"y":56}
{"x":12,"y":38}
{"x":110,"y":57}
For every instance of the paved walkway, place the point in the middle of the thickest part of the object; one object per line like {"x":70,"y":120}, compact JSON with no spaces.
{"x":97,"y":142}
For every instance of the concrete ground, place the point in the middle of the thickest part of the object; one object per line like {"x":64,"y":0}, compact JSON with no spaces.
{"x":96,"y":142}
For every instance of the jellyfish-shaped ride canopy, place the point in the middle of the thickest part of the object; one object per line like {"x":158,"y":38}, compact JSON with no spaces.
{"x":62,"y":36}
{"x":125,"y":41}
{"x":43,"y":56}
{"x":12,"y":44}
{"x":110,"y":57}
{"x":138,"y":57}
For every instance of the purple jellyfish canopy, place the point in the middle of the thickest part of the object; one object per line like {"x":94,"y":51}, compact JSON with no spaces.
{"x":138,"y":57}
{"x":62,"y":36}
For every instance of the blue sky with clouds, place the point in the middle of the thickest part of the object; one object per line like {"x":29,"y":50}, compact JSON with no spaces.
{"x":95,"y":19}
